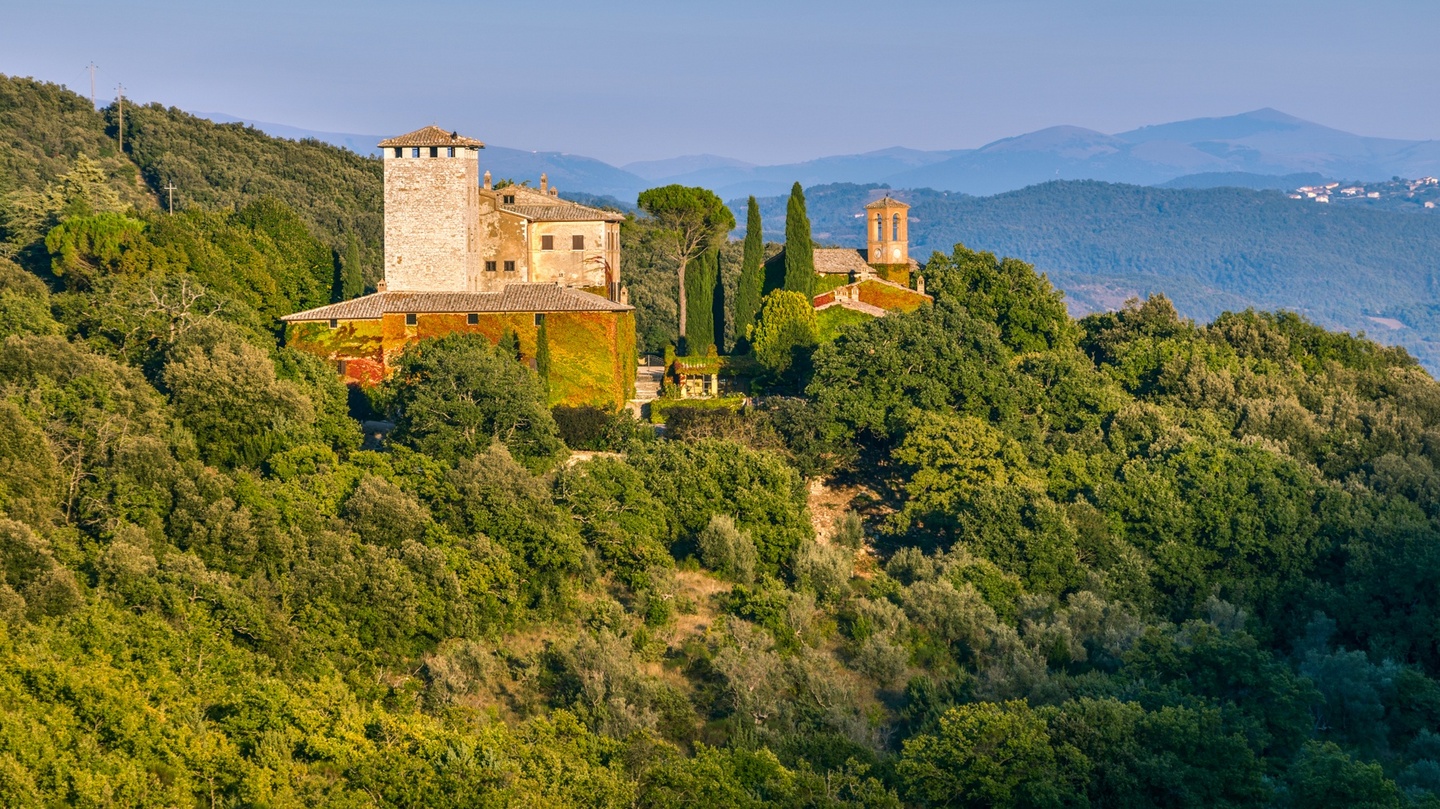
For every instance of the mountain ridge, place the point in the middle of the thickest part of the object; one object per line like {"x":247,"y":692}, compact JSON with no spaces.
{"x":1265,"y":142}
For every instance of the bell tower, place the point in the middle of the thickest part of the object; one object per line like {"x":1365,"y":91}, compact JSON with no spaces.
{"x":887,"y":227}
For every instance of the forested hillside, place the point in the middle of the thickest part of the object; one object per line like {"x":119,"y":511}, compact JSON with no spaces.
{"x":1210,"y":250}
{"x":988,"y":556}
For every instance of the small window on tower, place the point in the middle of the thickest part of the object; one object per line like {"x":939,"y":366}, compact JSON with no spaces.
{"x":489,"y":266}
{"x":414,"y":151}
{"x":449,"y":151}
{"x":547,"y":242}
{"x":473,"y":318}
{"x":410,"y":319}
{"x":399,"y":152}
{"x":509,"y":266}
{"x":880,"y":227}
{"x":577,"y":242}
{"x":895,"y":225}
{"x":508,"y":199}
{"x":434,"y":151}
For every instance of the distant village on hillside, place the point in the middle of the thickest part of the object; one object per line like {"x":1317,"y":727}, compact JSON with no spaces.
{"x":1423,"y":193}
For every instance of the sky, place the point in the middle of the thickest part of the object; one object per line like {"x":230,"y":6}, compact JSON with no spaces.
{"x":766,"y":81}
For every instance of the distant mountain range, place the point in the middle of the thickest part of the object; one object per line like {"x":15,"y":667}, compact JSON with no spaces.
{"x":1261,"y":149}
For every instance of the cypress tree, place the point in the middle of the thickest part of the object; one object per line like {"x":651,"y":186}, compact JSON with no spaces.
{"x":542,"y":359}
{"x":352,"y":280}
{"x":699,"y":300}
{"x":510,"y":344}
{"x":799,"y":249}
{"x":752,"y":275}
{"x":718,"y":304}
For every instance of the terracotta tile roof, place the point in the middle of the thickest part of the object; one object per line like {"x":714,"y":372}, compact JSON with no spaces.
{"x":883,"y":202}
{"x":563,"y":212}
{"x":514,"y":298}
{"x":538,"y":206}
{"x":430,"y":136}
{"x":833,"y":260}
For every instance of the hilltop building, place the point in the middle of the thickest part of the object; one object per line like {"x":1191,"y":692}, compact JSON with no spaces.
{"x":465,"y":255}
{"x":875,"y":280}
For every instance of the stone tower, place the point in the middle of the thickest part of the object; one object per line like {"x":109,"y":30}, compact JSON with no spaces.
{"x":888,"y":232}
{"x":431,"y":212}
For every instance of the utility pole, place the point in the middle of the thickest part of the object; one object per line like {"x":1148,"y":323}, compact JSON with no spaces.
{"x":92,"y":67}
{"x":170,"y":190}
{"x":120,"y":129}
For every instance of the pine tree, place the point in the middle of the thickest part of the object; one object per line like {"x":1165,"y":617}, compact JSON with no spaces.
{"x":799,"y":249}
{"x":352,"y":280}
{"x":752,"y":275}
{"x":542,"y":358}
{"x":700,"y":301}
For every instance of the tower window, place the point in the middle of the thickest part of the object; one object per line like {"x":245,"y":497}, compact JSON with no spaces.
{"x":879,"y":227}
{"x":895,"y":227}
{"x":509,"y":266}
{"x":577,"y":242}
{"x":489,"y":266}
{"x":414,"y":151}
{"x":473,"y":319}
{"x":449,"y":151}
{"x":398,"y":151}
{"x":508,"y":199}
{"x":539,"y":318}
{"x":410,"y":319}
{"x":434,"y":151}
{"x":547,"y":242}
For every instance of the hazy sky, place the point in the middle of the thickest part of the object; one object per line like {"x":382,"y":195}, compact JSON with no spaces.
{"x":762,"y":80}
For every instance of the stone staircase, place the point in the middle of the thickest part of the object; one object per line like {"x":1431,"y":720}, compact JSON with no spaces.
{"x":647,"y":389}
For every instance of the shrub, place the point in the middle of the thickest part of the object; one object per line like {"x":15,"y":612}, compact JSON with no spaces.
{"x":727,"y":550}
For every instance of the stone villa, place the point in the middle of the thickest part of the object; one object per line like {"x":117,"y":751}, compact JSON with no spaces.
{"x":465,"y":255}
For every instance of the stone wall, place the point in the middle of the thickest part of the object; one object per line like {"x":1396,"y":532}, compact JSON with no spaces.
{"x":431,"y":220}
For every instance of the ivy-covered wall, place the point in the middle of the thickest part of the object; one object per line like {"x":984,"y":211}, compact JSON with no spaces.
{"x":592,"y":354}
{"x":890,"y":298}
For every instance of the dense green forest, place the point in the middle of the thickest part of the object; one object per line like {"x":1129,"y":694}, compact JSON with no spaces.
{"x":1210,"y":250}
{"x":992,"y":555}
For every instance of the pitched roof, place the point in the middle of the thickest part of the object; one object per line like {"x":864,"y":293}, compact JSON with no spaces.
{"x":538,"y":206}
{"x":885,"y":202}
{"x":431,"y":136}
{"x":834,"y":260}
{"x":564,"y":212}
{"x":514,"y":298}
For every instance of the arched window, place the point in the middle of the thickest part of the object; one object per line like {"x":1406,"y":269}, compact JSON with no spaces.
{"x":879,"y":227}
{"x":895,"y":228}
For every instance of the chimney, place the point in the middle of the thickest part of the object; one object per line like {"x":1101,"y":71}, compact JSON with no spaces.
{"x":554,"y":192}
{"x":487,"y":180}
{"x":920,"y":284}
{"x":543,"y":182}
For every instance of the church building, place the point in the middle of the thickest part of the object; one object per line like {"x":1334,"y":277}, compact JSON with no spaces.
{"x":878,"y":279}
{"x":465,"y":255}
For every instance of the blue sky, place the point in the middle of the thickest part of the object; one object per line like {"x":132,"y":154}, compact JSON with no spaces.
{"x":762,"y":81}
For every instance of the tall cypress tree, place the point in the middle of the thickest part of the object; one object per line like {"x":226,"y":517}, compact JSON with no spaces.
{"x":542,"y":359}
{"x":752,"y":275}
{"x":699,"y":300}
{"x":352,"y":281}
{"x":718,"y":303}
{"x":799,"y":249}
